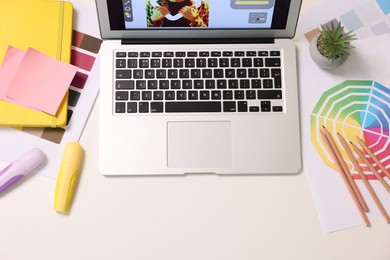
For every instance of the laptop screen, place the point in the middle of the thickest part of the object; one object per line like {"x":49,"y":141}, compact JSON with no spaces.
{"x":197,"y":16}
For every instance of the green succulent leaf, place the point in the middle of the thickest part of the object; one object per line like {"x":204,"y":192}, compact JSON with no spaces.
{"x":333,"y":42}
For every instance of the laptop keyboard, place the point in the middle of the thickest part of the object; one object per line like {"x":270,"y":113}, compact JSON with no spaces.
{"x":198,"y":82}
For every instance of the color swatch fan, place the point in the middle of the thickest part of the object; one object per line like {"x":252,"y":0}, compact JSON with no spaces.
{"x":354,"y":108}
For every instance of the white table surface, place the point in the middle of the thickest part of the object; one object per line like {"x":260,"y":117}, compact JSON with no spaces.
{"x":191,"y":217}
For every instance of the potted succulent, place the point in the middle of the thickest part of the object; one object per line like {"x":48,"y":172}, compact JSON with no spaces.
{"x":331,"y":46}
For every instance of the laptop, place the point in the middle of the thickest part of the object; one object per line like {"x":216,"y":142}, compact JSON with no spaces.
{"x":198,"y":86}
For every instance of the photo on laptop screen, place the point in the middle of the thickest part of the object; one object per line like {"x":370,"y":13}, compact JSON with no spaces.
{"x":198,"y":14}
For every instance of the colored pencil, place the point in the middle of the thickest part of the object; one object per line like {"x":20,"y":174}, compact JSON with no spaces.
{"x":364,"y":178}
{"x":345,"y":179}
{"x":345,"y":170}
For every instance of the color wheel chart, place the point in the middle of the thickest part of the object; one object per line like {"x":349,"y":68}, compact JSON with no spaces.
{"x":354,"y":108}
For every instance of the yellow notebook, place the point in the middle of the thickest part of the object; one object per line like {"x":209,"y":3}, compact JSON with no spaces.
{"x":47,"y":27}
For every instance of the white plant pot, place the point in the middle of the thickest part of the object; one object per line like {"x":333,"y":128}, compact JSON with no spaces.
{"x":322,"y":61}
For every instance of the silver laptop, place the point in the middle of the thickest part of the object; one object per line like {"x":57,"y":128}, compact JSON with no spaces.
{"x":198,"y":86}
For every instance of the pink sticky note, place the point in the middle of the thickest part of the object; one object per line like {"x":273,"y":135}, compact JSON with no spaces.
{"x":41,"y":82}
{"x":11,"y":62}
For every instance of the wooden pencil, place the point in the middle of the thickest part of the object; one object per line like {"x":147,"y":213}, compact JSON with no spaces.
{"x":369,"y":165}
{"x":372,"y":155}
{"x":364,"y":178}
{"x":345,"y":169}
{"x":345,"y":179}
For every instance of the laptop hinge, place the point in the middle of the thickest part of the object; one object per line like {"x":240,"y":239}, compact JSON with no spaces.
{"x":197,"y":41}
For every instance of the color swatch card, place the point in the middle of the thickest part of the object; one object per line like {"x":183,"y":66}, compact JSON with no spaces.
{"x":37,"y":81}
{"x":366,"y":18}
{"x":354,"y":101}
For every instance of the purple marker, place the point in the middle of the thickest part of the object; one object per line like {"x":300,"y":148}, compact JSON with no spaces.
{"x":20,"y":167}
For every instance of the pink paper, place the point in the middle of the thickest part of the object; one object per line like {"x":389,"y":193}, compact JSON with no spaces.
{"x":11,"y":62}
{"x":41,"y":82}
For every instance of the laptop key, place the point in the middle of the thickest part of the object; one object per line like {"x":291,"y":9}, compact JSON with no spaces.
{"x":156,"y":54}
{"x":193,"y":95}
{"x":210,"y":84}
{"x":121,"y":54}
{"x":227,"y":54}
{"x":158,"y":95}
{"x":184,"y":73}
{"x":187,"y":84}
{"x":143,"y":107}
{"x":132,"y":54}
{"x":121,"y":95}
{"x":170,"y":95}
{"x":144,"y":63}
{"x":192,"y":106}
{"x":124,"y":84}
{"x":135,"y":95}
{"x":123,"y":74}
{"x":146,"y":95}
{"x":156,"y":107}
{"x":181,"y":95}
{"x":138,"y":74}
{"x":145,"y":54}
{"x":120,"y":107}
{"x":131,"y":107}
{"x":140,"y":84}
{"x":216,"y":94}
{"x":269,"y":94}
{"x":267,"y":83}
{"x":277,"y":108}
{"x":227,"y":94}
{"x":276,"y":74}
{"x":120,"y":63}
{"x":167,"y":63}
{"x":169,"y":54}
{"x":272,"y":62}
{"x":180,"y":54}
{"x":242,"y":106}
{"x":229,"y":106}
{"x":204,"y":94}
{"x":132,"y":63}
{"x":238,"y":94}
{"x":265,"y":106}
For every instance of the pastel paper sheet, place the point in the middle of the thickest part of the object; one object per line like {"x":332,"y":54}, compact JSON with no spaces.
{"x":41,"y":82}
{"x":8,"y":69}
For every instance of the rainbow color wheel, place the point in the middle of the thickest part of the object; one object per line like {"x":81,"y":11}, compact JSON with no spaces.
{"x":354,"y":108}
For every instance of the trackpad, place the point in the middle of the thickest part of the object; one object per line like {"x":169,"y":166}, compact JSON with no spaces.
{"x":199,"y":144}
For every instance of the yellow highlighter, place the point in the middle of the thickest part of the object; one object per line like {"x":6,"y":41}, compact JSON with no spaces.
{"x":67,"y":176}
